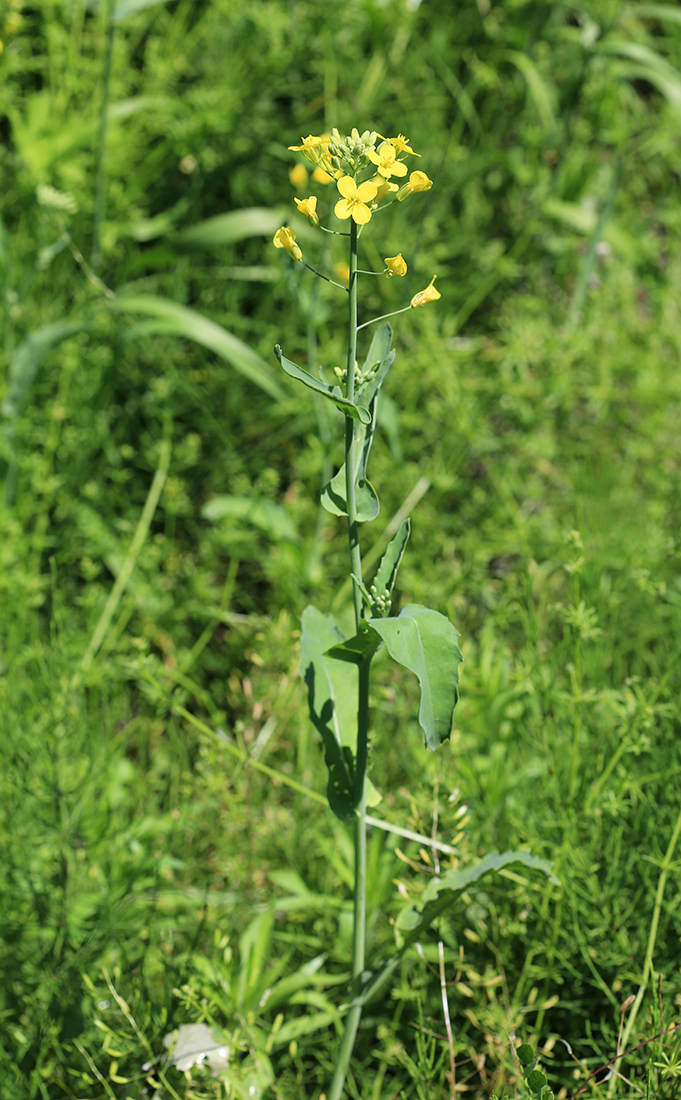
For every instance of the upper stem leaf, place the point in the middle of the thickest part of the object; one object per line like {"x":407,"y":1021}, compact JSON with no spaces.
{"x":332,"y":393}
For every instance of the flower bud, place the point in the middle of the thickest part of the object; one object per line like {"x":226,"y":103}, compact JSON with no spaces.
{"x":286,"y":238}
{"x":418,"y":181}
{"x":308,"y":207}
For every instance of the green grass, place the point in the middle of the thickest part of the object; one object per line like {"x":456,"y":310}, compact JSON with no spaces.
{"x":145,"y":859}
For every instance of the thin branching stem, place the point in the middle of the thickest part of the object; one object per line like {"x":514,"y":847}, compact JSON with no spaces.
{"x":383,"y":317}
{"x":324,"y":277}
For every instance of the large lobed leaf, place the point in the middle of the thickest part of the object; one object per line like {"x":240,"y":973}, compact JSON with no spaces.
{"x":332,"y":699}
{"x":440,"y":895}
{"x":424,"y":642}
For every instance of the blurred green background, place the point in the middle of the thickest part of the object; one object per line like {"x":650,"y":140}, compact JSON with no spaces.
{"x":160,"y":535}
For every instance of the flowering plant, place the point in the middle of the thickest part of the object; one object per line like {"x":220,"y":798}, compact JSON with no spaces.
{"x":336,"y":668}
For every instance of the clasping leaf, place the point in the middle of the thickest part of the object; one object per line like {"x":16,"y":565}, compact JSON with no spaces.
{"x":332,"y":393}
{"x":424,"y":642}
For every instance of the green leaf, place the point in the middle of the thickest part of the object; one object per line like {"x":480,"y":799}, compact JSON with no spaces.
{"x":131,"y":7}
{"x":29,"y":357}
{"x":648,"y":65}
{"x":332,"y":393}
{"x":536,"y":86}
{"x":440,"y":894}
{"x":386,"y":575}
{"x":355,"y":650}
{"x":537,"y":1080}
{"x":185,"y":322}
{"x":654,"y":11}
{"x":425,"y":642}
{"x":237,"y":225}
{"x":334,"y":495}
{"x":525,"y":1054}
{"x":379,"y":359}
{"x":306,"y":1025}
{"x":388,"y":421}
{"x":267,"y":515}
{"x":332,"y":699}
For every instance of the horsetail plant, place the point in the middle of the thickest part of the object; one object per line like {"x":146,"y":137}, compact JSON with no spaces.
{"x":370,"y":174}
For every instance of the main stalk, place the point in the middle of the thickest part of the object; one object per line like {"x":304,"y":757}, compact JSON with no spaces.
{"x":359,"y":912}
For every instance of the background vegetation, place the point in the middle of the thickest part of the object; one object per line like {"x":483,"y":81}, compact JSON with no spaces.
{"x":160,"y":536}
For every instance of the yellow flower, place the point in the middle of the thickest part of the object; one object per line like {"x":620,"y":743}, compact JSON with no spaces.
{"x":286,"y":238}
{"x":395,"y":265}
{"x":320,"y":176}
{"x":430,"y":294}
{"x":298,"y":175}
{"x":316,"y":150}
{"x":418,"y":181}
{"x":386,"y":160}
{"x":310,"y":148}
{"x":353,"y":203}
{"x":308,"y":207}
{"x":401,"y":144}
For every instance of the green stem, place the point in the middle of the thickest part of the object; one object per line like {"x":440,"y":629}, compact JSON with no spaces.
{"x":324,"y":277}
{"x":100,"y":186}
{"x":384,"y":315}
{"x":353,"y":531}
{"x":359,"y":911}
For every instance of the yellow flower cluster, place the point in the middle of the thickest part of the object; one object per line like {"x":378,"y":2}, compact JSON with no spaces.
{"x":344,"y":159}
{"x":364,"y":168}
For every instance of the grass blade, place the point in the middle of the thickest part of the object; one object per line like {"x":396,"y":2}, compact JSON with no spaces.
{"x":192,"y":325}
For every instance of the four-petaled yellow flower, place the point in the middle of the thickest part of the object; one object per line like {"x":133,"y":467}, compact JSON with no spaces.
{"x":430,"y":294}
{"x":386,"y":160}
{"x":418,"y":181}
{"x":395,"y":265}
{"x":308,"y":207}
{"x":286,"y":238}
{"x":353,"y":203}
{"x":401,"y":144}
